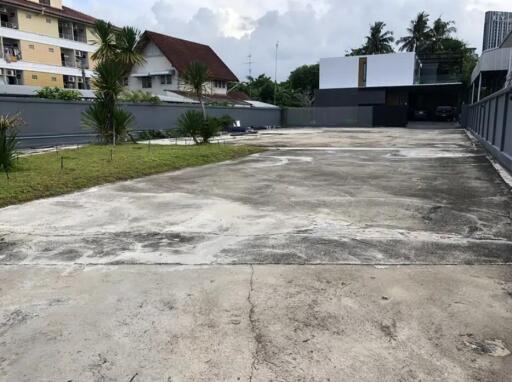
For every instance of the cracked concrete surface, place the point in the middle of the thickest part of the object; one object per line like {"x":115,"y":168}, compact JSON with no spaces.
{"x":338,"y":254}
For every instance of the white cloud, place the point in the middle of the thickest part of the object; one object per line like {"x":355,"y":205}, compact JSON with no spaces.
{"x":306,"y":29}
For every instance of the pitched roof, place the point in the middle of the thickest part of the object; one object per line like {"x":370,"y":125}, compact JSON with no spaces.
{"x":65,"y":12}
{"x":182,"y":52}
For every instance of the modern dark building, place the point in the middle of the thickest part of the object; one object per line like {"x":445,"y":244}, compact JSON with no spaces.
{"x":401,"y":86}
{"x":497,"y":26}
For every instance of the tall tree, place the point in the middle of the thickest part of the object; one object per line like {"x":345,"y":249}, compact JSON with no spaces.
{"x":115,"y":55}
{"x":195,"y":77}
{"x":441,"y":31}
{"x":419,"y":34}
{"x":379,"y":41}
{"x":305,"y":80}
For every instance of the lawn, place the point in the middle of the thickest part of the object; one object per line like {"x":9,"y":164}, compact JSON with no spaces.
{"x":41,"y":176}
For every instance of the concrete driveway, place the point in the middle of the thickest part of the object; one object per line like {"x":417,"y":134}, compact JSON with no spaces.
{"x":338,"y":254}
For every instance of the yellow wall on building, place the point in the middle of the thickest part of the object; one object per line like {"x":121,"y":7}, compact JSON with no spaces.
{"x":53,"y":3}
{"x":36,"y":23}
{"x":42,"y":79}
{"x":40,"y":53}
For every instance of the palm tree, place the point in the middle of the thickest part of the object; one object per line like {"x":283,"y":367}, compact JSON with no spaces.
{"x":105,"y":34}
{"x":379,"y":41}
{"x":441,"y":31}
{"x":195,"y":77}
{"x":116,"y":54}
{"x":420,"y":35}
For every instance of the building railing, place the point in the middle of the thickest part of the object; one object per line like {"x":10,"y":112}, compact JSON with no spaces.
{"x":439,"y":79}
{"x":490,"y":120}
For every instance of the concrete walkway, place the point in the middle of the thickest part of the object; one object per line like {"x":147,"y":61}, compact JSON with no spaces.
{"x":339,"y":254}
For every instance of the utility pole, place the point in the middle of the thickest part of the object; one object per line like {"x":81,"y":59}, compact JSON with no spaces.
{"x":275,"y":75}
{"x":250,"y":62}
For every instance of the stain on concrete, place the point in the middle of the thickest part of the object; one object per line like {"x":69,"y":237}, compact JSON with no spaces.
{"x":14,"y":319}
{"x":493,"y":348}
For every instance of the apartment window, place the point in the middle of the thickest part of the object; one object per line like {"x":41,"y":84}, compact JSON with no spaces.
{"x":51,"y":50}
{"x":166,"y":79}
{"x":48,"y":20}
{"x":34,"y":76}
{"x":146,"y":83}
{"x":45,"y":2}
{"x":31,"y":46}
{"x":54,"y":79}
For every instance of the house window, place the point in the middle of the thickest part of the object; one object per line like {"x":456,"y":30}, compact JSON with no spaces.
{"x":51,"y":50}
{"x":44,"y":2}
{"x":166,"y":80}
{"x":48,"y":20}
{"x":34,"y":77}
{"x":219,"y":84}
{"x":28,"y":15}
{"x":31,"y":46}
{"x":146,"y":83}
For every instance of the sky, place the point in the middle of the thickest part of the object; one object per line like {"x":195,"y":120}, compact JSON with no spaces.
{"x":306,"y":30}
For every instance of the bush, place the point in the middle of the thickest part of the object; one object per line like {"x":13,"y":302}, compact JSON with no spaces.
{"x":8,"y":142}
{"x":209,"y":129}
{"x":60,"y":94}
{"x":96,"y":118}
{"x":190,"y":124}
{"x":140,"y":96}
{"x":152,"y":134}
{"x":226,"y":121}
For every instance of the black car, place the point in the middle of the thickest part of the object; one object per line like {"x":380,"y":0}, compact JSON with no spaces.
{"x":420,"y":115}
{"x":446,"y":113}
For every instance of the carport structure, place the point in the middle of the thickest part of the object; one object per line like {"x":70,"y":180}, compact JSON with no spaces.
{"x":338,"y":254}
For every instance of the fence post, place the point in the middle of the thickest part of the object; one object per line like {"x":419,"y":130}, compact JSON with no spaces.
{"x":505,"y":118}
{"x":495,"y":123}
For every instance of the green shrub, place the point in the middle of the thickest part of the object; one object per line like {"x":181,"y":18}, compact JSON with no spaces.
{"x":59,"y":93}
{"x":140,"y":96}
{"x":226,"y":121}
{"x":190,"y":123}
{"x":8,"y":141}
{"x":96,"y":118}
{"x":152,"y":134}
{"x":209,"y":129}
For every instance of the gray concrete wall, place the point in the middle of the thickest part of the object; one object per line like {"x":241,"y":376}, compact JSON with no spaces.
{"x":49,"y":123}
{"x":347,"y":116}
{"x":490,"y":121}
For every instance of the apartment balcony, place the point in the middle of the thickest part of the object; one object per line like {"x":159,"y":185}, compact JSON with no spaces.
{"x":72,"y":31}
{"x":8,"y":17}
{"x":11,"y":50}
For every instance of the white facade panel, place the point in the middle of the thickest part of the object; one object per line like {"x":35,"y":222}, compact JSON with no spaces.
{"x":24,"y":65}
{"x":396,"y":69}
{"x":339,"y":72}
{"x":34,"y":37}
{"x":383,"y":70}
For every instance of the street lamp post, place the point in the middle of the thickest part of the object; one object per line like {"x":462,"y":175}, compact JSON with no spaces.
{"x":275,"y":75}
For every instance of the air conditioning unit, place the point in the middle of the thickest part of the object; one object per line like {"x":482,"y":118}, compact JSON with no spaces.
{"x":71,"y":79}
{"x":10,"y":73}
{"x":80,"y":80}
{"x":3,"y":10}
{"x":79,"y":54}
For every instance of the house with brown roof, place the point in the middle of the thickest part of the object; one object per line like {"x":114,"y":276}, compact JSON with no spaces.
{"x":167,"y":57}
